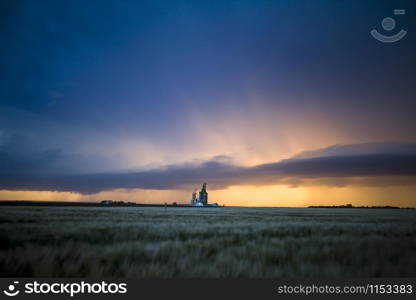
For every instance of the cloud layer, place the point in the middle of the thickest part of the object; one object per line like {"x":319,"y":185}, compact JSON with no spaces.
{"x":365,"y":164}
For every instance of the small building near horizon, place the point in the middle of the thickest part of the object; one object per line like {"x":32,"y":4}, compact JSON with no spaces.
{"x":202,"y":200}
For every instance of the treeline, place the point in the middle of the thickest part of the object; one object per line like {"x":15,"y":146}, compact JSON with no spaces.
{"x":352,"y":206}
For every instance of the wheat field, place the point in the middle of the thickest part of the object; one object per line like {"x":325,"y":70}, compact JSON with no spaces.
{"x":155,"y":242}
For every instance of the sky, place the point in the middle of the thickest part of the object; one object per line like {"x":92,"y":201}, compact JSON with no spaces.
{"x":272,"y":103}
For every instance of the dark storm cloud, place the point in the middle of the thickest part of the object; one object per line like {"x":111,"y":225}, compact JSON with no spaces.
{"x":400,"y":162}
{"x":21,"y":157}
{"x":71,"y":70}
{"x":140,"y":67}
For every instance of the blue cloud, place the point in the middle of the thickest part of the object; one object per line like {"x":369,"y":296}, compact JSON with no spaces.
{"x":399,"y":161}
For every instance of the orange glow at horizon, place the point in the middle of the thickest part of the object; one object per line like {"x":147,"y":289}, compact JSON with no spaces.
{"x":267,"y":196}
{"x":249,"y":136}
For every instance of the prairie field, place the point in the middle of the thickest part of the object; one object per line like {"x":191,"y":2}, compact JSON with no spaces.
{"x":159,"y":242}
